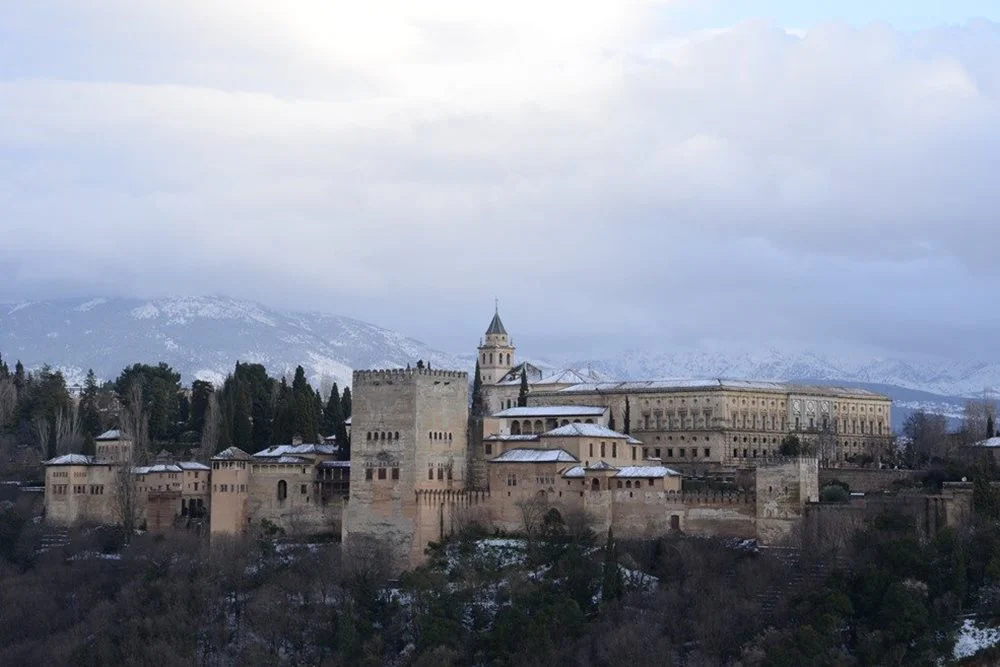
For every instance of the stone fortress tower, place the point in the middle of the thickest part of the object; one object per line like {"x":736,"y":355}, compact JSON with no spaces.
{"x":408,"y":458}
{"x":496,"y":352}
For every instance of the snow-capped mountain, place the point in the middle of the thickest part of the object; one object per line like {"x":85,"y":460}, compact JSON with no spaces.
{"x":202,"y":337}
{"x":943,"y":377}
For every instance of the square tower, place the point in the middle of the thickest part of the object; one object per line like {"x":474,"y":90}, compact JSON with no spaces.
{"x":409,"y":435}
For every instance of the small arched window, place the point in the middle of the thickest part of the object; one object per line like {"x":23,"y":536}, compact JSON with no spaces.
{"x":282,"y":489}
{"x":396,"y":435}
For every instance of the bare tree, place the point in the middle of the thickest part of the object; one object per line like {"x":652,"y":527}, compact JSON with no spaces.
{"x":135,"y":437}
{"x":42,"y":430}
{"x":979,"y":419}
{"x":67,"y":430}
{"x":210,"y":431}
{"x":532,"y":514}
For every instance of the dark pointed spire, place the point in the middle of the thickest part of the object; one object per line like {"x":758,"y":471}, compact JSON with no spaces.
{"x":496,"y":326}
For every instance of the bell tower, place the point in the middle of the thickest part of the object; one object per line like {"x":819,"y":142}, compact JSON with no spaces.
{"x":496,"y":351}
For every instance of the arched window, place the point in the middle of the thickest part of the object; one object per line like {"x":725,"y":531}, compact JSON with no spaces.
{"x":515,"y":427}
{"x":282,"y":489}
{"x":491,"y":357}
{"x":369,"y":435}
{"x":595,"y":485}
{"x":397,"y":435}
{"x":538,"y":426}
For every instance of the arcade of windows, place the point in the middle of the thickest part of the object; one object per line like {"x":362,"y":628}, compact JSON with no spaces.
{"x":442,"y":472}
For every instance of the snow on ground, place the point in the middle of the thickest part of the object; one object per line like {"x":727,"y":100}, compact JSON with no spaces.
{"x":972,"y":639}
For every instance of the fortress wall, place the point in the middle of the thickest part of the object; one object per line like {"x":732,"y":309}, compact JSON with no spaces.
{"x":868,"y":480}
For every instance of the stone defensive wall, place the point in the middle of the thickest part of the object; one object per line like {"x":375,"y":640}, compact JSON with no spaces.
{"x":650,"y":514}
{"x":865,"y":480}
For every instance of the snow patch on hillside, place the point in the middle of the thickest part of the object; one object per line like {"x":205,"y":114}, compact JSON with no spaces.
{"x":90,"y":305}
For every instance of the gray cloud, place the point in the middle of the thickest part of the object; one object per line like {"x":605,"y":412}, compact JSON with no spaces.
{"x":608,"y":181}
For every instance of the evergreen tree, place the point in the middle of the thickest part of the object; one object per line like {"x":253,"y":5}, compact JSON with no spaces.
{"x":345,"y":403}
{"x":200,"y":393}
{"x":628,"y":418}
{"x":90,"y":413}
{"x":242,"y":425}
{"x":4,"y":370}
{"x":612,"y":586}
{"x":283,"y":426}
{"x":318,"y":411}
{"x":522,"y":395}
{"x":477,"y":393}
{"x":332,"y":415}
{"x":304,"y":402}
{"x":183,"y":409}
{"x":990,"y":431}
{"x":611,"y":419}
{"x":19,"y":378}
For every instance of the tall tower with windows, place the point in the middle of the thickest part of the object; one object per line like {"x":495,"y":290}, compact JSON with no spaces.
{"x":496,"y":351}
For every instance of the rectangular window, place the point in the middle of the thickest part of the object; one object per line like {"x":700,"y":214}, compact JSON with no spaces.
{"x":614,"y":450}
{"x":645,"y":453}
{"x":381,"y":473}
{"x":683,"y":452}
{"x":633,"y":453}
{"x":489,"y":449}
{"x":369,"y":474}
{"x":708,"y":452}
{"x":302,"y":489}
{"x":440,"y":473}
{"x":656,"y":452}
{"x":650,"y":482}
{"x":449,"y":472}
{"x":395,"y":473}
{"x":430,"y":473}
{"x":602,"y":451}
{"x":670,"y":452}
{"x":591,"y":449}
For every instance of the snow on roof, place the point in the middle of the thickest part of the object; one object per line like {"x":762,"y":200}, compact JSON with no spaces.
{"x":553,"y":411}
{"x":574,"y":472}
{"x":575,"y":430}
{"x":334,"y":464}
{"x":601,"y":465}
{"x":348,"y":421}
{"x":288,"y":459}
{"x":688,"y":383}
{"x":989,"y":442}
{"x":159,"y":467}
{"x":647,"y":471}
{"x":569,"y":376}
{"x":192,"y":465}
{"x":535,"y":456}
{"x":512,"y":438}
{"x":113,"y":434}
{"x":277,"y":451}
{"x":71,"y":460}
{"x":231,"y":454}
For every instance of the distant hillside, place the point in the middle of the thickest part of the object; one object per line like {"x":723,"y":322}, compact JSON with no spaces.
{"x":202,"y":337}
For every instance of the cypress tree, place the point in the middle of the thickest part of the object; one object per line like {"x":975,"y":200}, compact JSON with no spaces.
{"x":90,"y":414}
{"x":611,"y":419}
{"x":333,"y":417}
{"x":990,"y":431}
{"x":477,"y":392}
{"x":522,"y":396}
{"x":612,"y":586}
{"x":304,"y":407}
{"x":628,"y":418}
{"x":345,"y":403}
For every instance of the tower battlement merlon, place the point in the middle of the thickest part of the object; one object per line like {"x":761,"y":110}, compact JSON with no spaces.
{"x":387,"y":374}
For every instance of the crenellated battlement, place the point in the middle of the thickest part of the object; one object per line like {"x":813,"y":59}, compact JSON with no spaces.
{"x":402,"y":374}
{"x":691,"y":498}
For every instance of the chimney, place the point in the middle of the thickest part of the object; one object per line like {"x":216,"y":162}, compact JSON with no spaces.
{"x":296,"y":439}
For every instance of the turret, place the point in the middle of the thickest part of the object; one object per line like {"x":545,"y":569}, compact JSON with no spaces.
{"x":496,"y":352}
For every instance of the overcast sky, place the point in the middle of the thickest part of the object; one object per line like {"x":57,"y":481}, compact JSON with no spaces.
{"x":616,"y":172}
